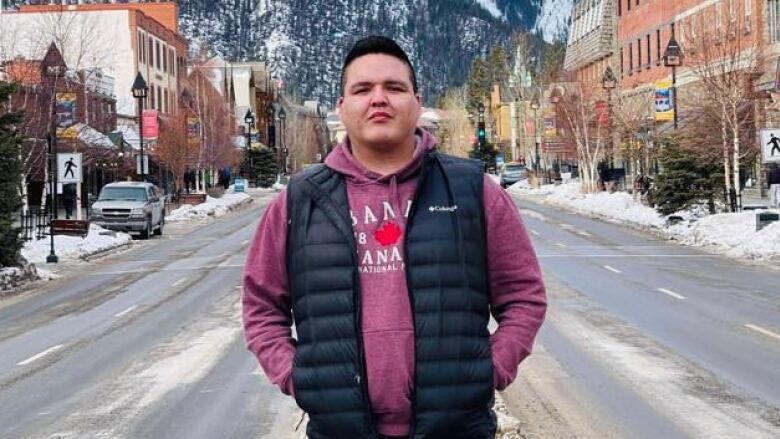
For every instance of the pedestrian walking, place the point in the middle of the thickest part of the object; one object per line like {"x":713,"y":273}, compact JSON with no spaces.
{"x":69,"y":199}
{"x":773,"y":178}
{"x":389,"y":259}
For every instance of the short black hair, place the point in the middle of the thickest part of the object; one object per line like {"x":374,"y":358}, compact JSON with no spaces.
{"x":379,"y":45}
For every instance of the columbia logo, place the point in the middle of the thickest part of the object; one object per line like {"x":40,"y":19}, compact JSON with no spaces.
{"x":443,"y":208}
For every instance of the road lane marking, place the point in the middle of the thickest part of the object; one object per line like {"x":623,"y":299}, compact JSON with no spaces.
{"x":763,"y":331}
{"x":179,"y":282}
{"x":626,"y":256}
{"x":614,"y":270}
{"x":535,"y":233}
{"x":245,"y":242}
{"x":128,"y":310}
{"x":41,"y":355}
{"x":558,"y":244}
{"x":153,"y":270}
{"x":671,"y":293}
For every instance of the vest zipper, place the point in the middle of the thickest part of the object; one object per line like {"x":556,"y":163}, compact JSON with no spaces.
{"x":412,"y":210}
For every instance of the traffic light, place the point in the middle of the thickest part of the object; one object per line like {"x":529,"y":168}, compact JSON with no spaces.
{"x":271,"y":136}
{"x":481,"y":134}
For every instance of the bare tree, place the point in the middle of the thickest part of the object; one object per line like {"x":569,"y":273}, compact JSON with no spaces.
{"x":579,"y":119}
{"x":174,"y":149}
{"x":455,"y":128}
{"x":724,"y":60}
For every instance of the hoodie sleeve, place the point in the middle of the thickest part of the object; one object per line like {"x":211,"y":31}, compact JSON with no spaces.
{"x":267,"y":314}
{"x":518,"y":298}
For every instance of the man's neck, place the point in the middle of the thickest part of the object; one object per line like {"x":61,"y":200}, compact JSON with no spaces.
{"x":384,"y":161}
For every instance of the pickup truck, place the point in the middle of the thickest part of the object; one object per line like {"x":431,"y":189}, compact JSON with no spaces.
{"x":130,"y":206}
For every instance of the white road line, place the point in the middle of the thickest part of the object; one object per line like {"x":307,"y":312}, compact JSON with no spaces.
{"x":583,"y":233}
{"x":614,"y":270}
{"x":179,"y":282}
{"x":535,"y":233}
{"x":245,"y":242}
{"x":671,"y":293}
{"x":558,"y":244}
{"x":128,"y":310}
{"x":763,"y":331}
{"x":41,"y":355}
{"x":627,"y":256}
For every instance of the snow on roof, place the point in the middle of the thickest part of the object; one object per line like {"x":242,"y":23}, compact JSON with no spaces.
{"x":93,"y":137}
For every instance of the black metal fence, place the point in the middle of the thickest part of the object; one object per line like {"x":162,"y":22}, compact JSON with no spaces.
{"x":34,"y":224}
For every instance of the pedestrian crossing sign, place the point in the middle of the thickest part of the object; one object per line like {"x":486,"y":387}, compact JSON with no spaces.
{"x":69,"y":167}
{"x":770,"y":145}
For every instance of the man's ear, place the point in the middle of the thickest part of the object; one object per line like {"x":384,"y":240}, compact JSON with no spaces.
{"x":339,"y":103}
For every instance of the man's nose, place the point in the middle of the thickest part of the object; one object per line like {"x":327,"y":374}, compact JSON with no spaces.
{"x":378,"y":96}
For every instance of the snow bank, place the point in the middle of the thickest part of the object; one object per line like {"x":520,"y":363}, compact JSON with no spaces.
{"x":75,"y":247}
{"x":213,"y":207}
{"x":731,"y":234}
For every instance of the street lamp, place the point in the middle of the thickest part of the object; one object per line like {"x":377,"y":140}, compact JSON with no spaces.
{"x":609,"y":83}
{"x":140,"y":91}
{"x":249,"y":118}
{"x":282,"y":118}
{"x":51,"y":138}
{"x":673,"y":58}
{"x":535,"y":106}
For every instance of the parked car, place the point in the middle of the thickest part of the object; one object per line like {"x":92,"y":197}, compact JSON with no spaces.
{"x":511,"y":173}
{"x":130,"y":206}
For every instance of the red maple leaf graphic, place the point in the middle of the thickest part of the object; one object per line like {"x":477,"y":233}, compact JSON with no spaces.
{"x":388,"y":234}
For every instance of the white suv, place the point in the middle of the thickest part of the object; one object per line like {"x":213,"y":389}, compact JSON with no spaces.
{"x":130,"y":206}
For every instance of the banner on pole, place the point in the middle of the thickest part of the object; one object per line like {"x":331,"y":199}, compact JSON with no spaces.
{"x":193,"y":131}
{"x":664,"y":101}
{"x":65,"y":110}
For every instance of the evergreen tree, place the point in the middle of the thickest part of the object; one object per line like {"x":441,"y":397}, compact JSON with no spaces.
{"x":686,"y":180}
{"x":260,"y":167}
{"x":498,"y":65}
{"x":10,"y":178}
{"x":478,"y":84}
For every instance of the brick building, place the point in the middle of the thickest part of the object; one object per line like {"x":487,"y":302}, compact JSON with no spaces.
{"x":78,"y":107}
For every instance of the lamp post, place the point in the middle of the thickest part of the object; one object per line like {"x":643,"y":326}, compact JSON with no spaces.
{"x":537,"y":137}
{"x":282,"y":118}
{"x":51,"y":139}
{"x":249,"y":119}
{"x":140,"y":91}
{"x":609,"y":83}
{"x":673,"y":58}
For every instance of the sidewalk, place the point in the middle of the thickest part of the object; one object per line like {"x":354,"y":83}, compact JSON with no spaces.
{"x":730,"y":234}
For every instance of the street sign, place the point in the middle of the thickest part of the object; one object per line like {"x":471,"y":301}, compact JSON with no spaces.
{"x":69,"y":167}
{"x":239,"y":185}
{"x":770,"y":145}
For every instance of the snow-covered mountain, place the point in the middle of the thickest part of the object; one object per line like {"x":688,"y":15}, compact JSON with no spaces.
{"x":553,"y":19}
{"x":304,"y":41}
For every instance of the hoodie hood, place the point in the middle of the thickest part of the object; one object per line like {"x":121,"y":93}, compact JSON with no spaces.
{"x":342,"y":161}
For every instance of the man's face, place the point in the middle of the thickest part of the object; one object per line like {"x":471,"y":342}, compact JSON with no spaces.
{"x":379,"y":108}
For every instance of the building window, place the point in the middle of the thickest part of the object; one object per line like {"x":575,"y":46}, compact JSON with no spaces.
{"x":150,"y":55}
{"x":773,"y":20}
{"x":748,"y":15}
{"x":630,"y":60}
{"x":648,"y":51}
{"x":628,"y":4}
{"x":622,"y":70}
{"x":658,"y":47}
{"x":159,"y":99}
{"x":151,"y":96}
{"x":157,"y":53}
{"x":139,"y":49}
{"x":638,"y":53}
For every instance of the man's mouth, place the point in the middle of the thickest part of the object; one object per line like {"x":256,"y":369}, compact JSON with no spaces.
{"x":379,"y":116}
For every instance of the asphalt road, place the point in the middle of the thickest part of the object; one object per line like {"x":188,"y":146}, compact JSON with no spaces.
{"x":145,"y":343}
{"x":653,"y":338}
{"x":644,"y":338}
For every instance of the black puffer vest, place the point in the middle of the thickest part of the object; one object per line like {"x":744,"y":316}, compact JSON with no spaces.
{"x":446,"y":270}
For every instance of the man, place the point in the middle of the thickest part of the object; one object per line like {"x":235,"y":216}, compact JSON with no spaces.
{"x":773,"y":179}
{"x":389,"y":259}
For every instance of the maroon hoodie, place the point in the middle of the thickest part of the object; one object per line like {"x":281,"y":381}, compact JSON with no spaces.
{"x":379,"y":206}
